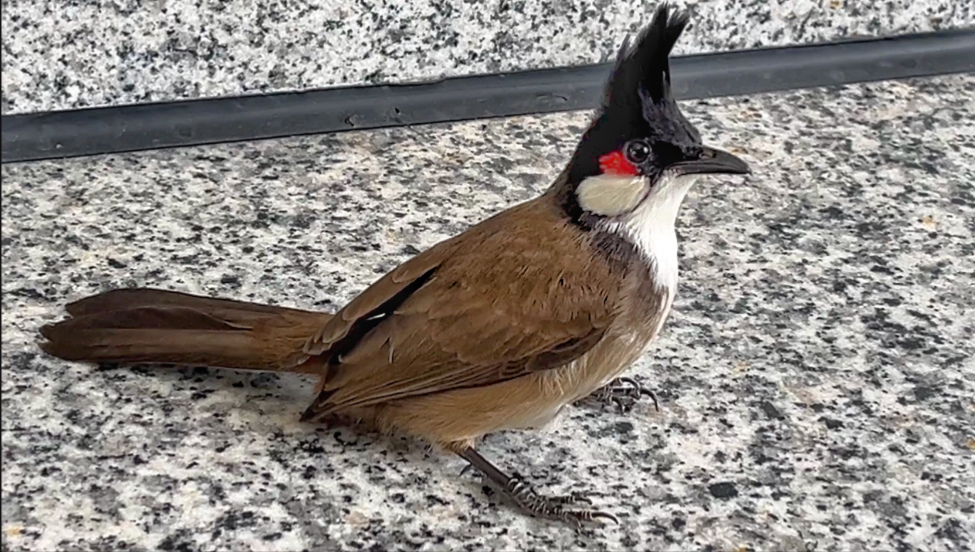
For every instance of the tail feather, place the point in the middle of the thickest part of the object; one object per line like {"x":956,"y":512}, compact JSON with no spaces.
{"x":155,"y":326}
{"x":122,"y":299}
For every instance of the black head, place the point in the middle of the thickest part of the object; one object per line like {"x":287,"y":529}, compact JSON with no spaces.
{"x":639,"y":129}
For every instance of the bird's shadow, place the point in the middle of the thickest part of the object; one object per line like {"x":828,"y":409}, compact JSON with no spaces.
{"x":284,"y":396}
{"x":288,"y":394}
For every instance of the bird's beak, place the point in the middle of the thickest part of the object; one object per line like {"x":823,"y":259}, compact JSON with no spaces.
{"x":712,"y":161}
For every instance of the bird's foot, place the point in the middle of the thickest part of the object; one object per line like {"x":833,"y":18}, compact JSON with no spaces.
{"x":624,"y":393}
{"x":560,"y":508}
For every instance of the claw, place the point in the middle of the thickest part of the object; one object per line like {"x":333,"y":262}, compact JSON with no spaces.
{"x":623,"y":408}
{"x":646,"y":392}
{"x":629,"y":381}
{"x":553,"y":507}
{"x":577,"y":517}
{"x":624,"y":392}
{"x":605,"y":515}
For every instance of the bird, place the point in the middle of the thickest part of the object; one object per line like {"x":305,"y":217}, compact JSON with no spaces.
{"x":498,"y":328}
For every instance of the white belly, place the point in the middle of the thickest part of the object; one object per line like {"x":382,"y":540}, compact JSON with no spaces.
{"x":594,"y":370}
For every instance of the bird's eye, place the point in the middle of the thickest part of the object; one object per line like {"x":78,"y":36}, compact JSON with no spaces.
{"x":637,"y":152}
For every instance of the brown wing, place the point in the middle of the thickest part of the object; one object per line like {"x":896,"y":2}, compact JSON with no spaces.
{"x":521,"y":292}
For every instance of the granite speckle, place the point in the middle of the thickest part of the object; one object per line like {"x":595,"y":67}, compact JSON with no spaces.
{"x":60,"y":54}
{"x":816,"y":376}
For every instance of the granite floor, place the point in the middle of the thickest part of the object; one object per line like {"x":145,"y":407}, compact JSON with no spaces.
{"x":816,"y":376}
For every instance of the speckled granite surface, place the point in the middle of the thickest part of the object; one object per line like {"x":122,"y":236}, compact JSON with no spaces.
{"x":60,"y":54}
{"x":816,"y":375}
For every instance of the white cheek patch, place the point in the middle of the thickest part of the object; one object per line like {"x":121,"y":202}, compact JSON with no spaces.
{"x":611,"y":195}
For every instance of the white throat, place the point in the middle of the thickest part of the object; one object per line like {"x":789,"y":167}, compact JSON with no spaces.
{"x":650,"y":225}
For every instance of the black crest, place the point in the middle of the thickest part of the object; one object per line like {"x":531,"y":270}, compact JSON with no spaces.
{"x":637,"y":101}
{"x":642,"y":71}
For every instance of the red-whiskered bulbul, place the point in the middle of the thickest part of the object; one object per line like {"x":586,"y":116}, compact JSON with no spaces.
{"x":497,"y":328}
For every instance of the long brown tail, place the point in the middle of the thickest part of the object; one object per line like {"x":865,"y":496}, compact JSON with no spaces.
{"x":156,"y":326}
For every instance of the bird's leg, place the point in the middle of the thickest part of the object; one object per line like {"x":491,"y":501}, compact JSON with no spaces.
{"x":624,"y":392}
{"x":558,"y":508}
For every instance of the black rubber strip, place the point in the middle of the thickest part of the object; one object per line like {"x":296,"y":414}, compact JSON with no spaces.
{"x":59,"y":134}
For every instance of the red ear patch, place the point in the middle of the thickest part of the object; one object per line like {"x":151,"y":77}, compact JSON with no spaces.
{"x":616,"y":163}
